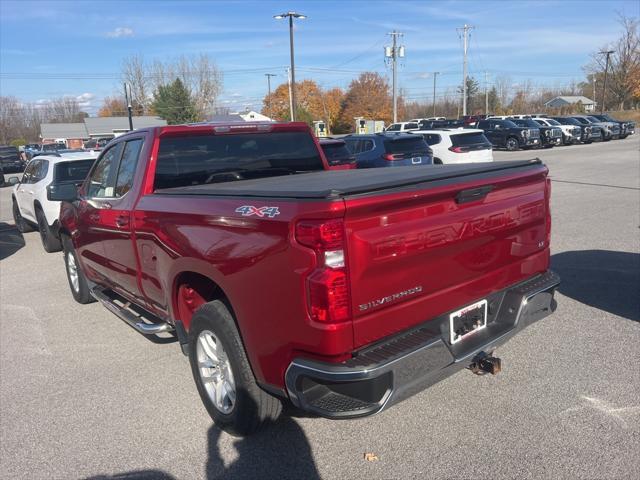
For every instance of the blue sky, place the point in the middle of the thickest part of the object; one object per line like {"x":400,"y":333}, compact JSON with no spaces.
{"x":85,"y":41}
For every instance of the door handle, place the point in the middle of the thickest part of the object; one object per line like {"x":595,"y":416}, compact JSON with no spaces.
{"x":122,"y":221}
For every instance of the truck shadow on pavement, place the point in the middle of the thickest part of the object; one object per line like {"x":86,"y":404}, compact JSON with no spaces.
{"x":11,"y":240}
{"x":278,"y":451}
{"x":602,"y":279}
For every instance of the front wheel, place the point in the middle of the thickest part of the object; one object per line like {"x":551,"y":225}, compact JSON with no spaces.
{"x":21,"y":223}
{"x":75,"y":275}
{"x":223,"y":375}
{"x":512,"y":144}
{"x":48,"y":238}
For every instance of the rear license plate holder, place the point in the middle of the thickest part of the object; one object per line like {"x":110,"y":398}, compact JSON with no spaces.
{"x":467,"y":321}
{"x":416,"y":160}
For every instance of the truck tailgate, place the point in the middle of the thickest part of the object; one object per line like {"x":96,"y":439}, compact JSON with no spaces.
{"x":418,"y":252}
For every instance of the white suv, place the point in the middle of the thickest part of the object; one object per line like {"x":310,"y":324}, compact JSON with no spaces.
{"x":31,"y":207}
{"x":457,"y":145}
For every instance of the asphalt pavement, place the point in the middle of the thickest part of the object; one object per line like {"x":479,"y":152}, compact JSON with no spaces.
{"x":82,"y":395}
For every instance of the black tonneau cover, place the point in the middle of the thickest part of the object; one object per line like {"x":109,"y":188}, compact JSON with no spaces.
{"x":339,"y":183}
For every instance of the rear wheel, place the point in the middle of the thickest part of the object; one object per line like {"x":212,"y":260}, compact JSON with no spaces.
{"x":48,"y":238}
{"x":512,"y":144}
{"x":21,"y":224}
{"x":437,"y":161}
{"x":223,"y":375}
{"x":75,"y":275}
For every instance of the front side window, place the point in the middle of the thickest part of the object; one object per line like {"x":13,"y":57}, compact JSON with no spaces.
{"x":28,"y":172}
{"x":127,"y":167}
{"x":40,"y":171}
{"x":101,"y":180}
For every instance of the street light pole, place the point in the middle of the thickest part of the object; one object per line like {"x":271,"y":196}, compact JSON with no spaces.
{"x":435,"y":74}
{"x":291,"y":16}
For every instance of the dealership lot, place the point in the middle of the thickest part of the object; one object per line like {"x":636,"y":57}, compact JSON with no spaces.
{"x":83,"y":395}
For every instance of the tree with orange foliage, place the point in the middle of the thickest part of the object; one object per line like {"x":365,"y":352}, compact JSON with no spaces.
{"x":308,"y":97}
{"x":368,"y":97}
{"x":113,"y":107}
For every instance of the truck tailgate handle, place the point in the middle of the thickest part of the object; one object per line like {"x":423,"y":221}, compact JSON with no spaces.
{"x":472,"y":194}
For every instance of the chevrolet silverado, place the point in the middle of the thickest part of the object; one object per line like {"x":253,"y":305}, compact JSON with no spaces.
{"x":342,"y":292}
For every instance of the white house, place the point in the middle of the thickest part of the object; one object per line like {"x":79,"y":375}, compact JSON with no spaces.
{"x":252,"y":116}
{"x":566,"y":100}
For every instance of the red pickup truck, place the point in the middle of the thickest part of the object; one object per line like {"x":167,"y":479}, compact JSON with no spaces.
{"x":340,"y":291}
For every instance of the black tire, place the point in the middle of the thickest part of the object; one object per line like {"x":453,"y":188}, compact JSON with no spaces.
{"x":49,"y":240}
{"x":512,"y":144}
{"x":437,"y":161}
{"x":81,"y":292}
{"x":253,"y":407}
{"x":21,"y":224}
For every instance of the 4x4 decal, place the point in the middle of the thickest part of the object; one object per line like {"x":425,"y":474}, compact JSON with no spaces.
{"x":248,"y":210}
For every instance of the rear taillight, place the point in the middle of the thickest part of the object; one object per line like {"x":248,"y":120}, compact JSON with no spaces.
{"x":391,"y":157}
{"x":327,"y":286}
{"x":547,"y":192}
{"x":456,"y":149}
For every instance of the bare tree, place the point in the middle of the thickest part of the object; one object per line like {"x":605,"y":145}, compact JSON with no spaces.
{"x":63,"y":110}
{"x":135,"y":72}
{"x":199,"y":74}
{"x":624,"y":65}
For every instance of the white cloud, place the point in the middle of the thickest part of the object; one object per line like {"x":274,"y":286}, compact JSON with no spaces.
{"x":85,"y":100}
{"x":120,"y":32}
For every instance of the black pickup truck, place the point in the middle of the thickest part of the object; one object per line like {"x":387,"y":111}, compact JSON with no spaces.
{"x":10,"y":159}
{"x":549,"y":136}
{"x":626,"y":128}
{"x":506,"y":134}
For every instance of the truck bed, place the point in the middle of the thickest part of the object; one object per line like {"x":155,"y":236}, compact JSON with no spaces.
{"x":335,"y":184}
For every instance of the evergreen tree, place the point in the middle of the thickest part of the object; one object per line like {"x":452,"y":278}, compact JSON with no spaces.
{"x":174,"y":103}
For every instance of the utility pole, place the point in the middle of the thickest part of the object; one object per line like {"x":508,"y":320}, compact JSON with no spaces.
{"x":269,"y":75}
{"x":465,"y":35}
{"x":393,"y":53}
{"x":435,"y":74}
{"x":486,"y":94}
{"x":127,"y":98}
{"x":606,"y":71}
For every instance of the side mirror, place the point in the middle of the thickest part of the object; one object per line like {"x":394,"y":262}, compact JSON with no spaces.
{"x":13,"y":180}
{"x":66,"y":192}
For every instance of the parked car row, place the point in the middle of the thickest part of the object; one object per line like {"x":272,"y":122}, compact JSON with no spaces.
{"x":513,"y":132}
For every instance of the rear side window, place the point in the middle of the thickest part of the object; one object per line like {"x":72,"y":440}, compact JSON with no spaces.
{"x":72,"y":171}
{"x":432,"y":138}
{"x":202,"y":159}
{"x":127,"y":167}
{"x":411,"y":144}
{"x":394,"y":127}
{"x":409,"y":126}
{"x":469,"y":139}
